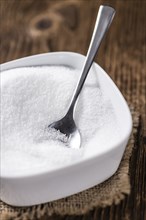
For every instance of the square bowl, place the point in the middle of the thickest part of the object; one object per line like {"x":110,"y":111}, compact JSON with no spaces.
{"x":94,"y":168}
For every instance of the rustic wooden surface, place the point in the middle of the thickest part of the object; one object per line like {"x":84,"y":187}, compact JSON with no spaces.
{"x":35,"y":26}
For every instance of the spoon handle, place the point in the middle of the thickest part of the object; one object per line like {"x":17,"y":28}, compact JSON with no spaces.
{"x":103,"y":21}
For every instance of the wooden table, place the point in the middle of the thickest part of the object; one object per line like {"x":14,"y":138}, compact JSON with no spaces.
{"x":34,"y":26}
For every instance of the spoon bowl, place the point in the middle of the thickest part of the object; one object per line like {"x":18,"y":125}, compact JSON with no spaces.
{"x":68,"y":127}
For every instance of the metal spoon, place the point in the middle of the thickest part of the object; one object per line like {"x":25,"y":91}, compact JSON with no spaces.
{"x":66,"y":125}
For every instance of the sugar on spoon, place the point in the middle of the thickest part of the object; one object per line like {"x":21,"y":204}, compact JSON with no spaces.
{"x":66,"y":125}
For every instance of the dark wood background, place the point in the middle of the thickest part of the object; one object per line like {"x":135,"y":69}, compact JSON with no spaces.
{"x":36,"y":26}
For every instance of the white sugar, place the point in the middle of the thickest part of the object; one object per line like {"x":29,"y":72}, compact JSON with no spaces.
{"x":34,"y":97}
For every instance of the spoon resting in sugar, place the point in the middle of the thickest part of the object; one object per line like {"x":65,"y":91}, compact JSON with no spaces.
{"x":66,"y":125}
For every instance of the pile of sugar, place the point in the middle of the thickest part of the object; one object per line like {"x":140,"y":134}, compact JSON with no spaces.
{"x":34,"y":97}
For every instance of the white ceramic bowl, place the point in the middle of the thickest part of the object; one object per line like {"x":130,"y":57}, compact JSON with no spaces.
{"x":26,"y":190}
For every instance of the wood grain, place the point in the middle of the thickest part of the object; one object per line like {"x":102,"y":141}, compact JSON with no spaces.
{"x":34,"y":26}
